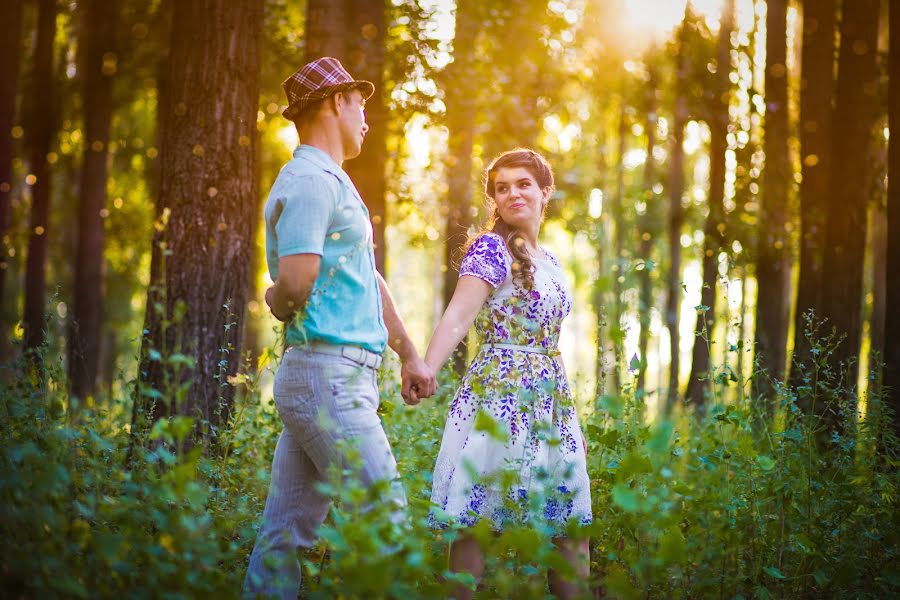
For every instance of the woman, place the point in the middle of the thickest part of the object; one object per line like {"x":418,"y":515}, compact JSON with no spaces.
{"x":512,"y":448}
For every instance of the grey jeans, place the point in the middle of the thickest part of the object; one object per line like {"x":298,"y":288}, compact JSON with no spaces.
{"x":325,"y":401}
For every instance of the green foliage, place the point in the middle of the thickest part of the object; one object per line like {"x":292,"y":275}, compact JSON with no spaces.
{"x":692,"y":507}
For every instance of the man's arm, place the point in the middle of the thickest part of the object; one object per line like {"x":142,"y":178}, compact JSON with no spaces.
{"x":297,"y":275}
{"x":417,"y":378}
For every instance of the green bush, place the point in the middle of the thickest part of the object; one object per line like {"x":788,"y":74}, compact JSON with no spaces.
{"x":711,"y":505}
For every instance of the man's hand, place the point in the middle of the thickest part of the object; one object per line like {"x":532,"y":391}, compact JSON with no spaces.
{"x":417,"y":381}
{"x":269,"y":299}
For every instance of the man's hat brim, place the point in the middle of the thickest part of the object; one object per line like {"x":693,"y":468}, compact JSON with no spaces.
{"x":293,"y":111}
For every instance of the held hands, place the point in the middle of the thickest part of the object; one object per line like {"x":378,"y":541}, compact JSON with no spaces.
{"x":417,"y":381}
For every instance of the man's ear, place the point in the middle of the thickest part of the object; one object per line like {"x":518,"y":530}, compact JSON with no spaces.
{"x":336,"y":102}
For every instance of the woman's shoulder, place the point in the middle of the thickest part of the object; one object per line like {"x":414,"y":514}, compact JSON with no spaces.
{"x":486,"y":258}
{"x":489,"y":239}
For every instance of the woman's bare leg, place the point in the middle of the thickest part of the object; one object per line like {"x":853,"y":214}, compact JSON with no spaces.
{"x":465,"y":557}
{"x":577,"y":554}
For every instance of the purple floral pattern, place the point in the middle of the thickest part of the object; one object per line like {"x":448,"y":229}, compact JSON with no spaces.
{"x":535,"y":435}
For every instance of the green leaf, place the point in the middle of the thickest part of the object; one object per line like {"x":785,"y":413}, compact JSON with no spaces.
{"x":635,"y":363}
{"x":619,"y":585}
{"x":614,"y":405}
{"x":486,"y":423}
{"x":625,"y":498}
{"x":609,"y":439}
{"x":773,"y":572}
{"x":765,"y":463}
{"x":672,"y":546}
{"x":660,"y":438}
{"x":181,"y":359}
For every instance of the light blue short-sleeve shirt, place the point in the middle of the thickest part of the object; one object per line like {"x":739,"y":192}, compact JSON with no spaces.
{"x":314,"y":208}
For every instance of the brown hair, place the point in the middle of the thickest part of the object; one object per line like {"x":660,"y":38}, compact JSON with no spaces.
{"x":540,"y":169}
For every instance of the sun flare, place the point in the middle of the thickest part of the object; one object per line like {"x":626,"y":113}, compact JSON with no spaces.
{"x":657,"y":18}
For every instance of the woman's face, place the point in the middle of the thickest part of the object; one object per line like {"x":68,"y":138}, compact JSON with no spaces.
{"x":520,"y":201}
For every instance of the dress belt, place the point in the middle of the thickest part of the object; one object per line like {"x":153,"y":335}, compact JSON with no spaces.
{"x":531,"y":349}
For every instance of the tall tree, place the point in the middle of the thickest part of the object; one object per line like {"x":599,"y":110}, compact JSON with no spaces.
{"x":353,"y":32}
{"x":714,"y":227}
{"x":42,"y":126}
{"x":892,"y":320}
{"x":10,"y":50}
{"x":676,"y":211}
{"x":99,"y":62}
{"x":201,"y":250}
{"x":773,"y":248}
{"x":461,"y":102}
{"x":646,"y":226}
{"x":366,"y":57}
{"x":617,"y":208}
{"x":845,"y":233}
{"x":816,"y":94}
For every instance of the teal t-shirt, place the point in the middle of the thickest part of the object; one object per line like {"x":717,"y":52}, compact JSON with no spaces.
{"x":314,"y":208}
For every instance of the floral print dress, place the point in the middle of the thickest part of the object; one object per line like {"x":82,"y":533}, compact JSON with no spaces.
{"x":512,"y":447}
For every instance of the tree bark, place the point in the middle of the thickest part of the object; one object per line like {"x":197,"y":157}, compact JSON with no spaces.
{"x":98,"y":44}
{"x":326,"y":30}
{"x":845,"y":237}
{"x":353,"y":32}
{"x":365,"y":60}
{"x":773,"y":247}
{"x":891,"y":376}
{"x":42,"y":126}
{"x":207,"y":198}
{"x":816,"y":93}
{"x":461,"y":106}
{"x":647,"y":233}
{"x":617,"y":208}
{"x":676,"y":220}
{"x":878,"y":247}
{"x":714,"y":227}
{"x":10,"y":51}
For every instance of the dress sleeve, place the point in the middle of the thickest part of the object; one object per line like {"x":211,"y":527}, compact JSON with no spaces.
{"x":485,"y":260}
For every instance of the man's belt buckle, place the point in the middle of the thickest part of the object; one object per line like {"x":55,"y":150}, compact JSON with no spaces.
{"x":361,"y":356}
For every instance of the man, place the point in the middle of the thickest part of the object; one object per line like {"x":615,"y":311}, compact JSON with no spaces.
{"x":340,"y":317}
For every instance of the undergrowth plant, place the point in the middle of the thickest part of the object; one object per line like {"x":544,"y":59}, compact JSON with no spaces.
{"x":694,"y":506}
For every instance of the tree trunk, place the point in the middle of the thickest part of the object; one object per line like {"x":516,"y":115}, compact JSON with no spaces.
{"x":676,"y":220}
{"x":845,"y":238}
{"x":816,"y":93}
{"x":208,"y":196}
{"x":98,"y":44}
{"x":461,"y":107}
{"x":891,"y":377}
{"x":42,"y":126}
{"x":714,"y":228}
{"x":647,"y":233}
{"x":353,"y":32}
{"x":878,"y":245}
{"x":326,"y":29}
{"x":773,"y":247}
{"x":10,"y":51}
{"x":617,"y":209}
{"x":365,"y":60}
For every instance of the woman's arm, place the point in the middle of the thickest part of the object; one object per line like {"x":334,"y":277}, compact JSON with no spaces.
{"x":470,"y":295}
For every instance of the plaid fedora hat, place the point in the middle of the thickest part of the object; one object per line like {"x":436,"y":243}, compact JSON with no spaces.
{"x":316,"y":80}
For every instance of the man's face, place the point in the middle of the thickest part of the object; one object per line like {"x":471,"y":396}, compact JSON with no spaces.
{"x":353,"y":122}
